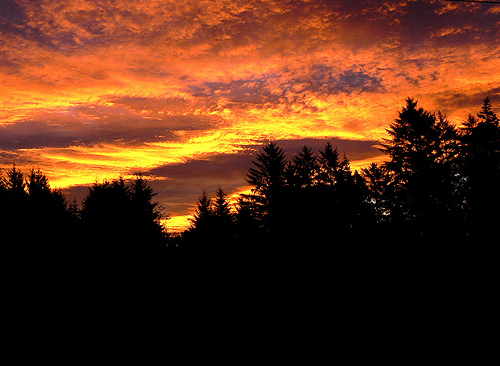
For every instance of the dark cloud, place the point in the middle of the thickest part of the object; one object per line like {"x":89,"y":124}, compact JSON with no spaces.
{"x":253,"y":91}
{"x":326,"y":80}
{"x":12,"y":16}
{"x":450,"y":102}
{"x":233,"y":165}
{"x":354,"y":149}
{"x":321,"y":80}
{"x":87,"y":126}
{"x":185,"y":181}
{"x":237,"y":165}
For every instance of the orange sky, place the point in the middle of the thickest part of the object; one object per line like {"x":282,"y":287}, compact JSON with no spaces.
{"x":186,"y":91}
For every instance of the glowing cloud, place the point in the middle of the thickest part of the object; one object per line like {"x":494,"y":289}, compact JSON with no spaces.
{"x":93,"y":89}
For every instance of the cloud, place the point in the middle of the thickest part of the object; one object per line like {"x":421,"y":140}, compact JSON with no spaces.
{"x":98,"y":88}
{"x":87,"y":125}
{"x":180,"y":184}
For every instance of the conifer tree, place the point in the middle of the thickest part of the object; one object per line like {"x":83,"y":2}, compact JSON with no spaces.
{"x":48,"y":205}
{"x":480,"y":170}
{"x":146,"y":214}
{"x":378,"y":182}
{"x":38,"y":184}
{"x":221,"y":207}
{"x":247,"y":219}
{"x":268,"y":178}
{"x":303,"y":169}
{"x":15,"y":184}
{"x":202,"y":220}
{"x":142,"y":199}
{"x":222,"y":217}
{"x":422,"y":149}
{"x":329,"y":165}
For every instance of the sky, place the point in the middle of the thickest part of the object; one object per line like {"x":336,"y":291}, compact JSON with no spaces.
{"x":186,"y":92}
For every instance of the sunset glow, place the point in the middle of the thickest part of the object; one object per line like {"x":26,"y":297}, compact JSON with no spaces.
{"x":186,"y":91}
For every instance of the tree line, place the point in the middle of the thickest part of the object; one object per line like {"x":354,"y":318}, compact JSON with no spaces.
{"x":115,"y":219}
{"x":440,"y":184}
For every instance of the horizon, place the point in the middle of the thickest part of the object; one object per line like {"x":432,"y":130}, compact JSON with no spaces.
{"x":186,"y":93}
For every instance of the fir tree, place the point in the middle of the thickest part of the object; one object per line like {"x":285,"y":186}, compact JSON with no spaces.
{"x":303,"y":169}
{"x":146,"y":214}
{"x":268,"y":178}
{"x":422,"y":149}
{"x":222,"y":217}
{"x":202,"y":220}
{"x":329,"y":165}
{"x":378,"y":181}
{"x":15,"y":184}
{"x":480,"y":170}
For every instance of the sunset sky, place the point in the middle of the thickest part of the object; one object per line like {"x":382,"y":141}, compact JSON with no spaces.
{"x":186,"y":92}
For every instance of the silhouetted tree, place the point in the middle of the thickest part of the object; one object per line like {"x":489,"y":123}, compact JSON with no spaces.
{"x":147,"y":215}
{"x":104,"y":217}
{"x":213,"y":227}
{"x":15,"y":215}
{"x":47,"y":211}
{"x":268,"y":178}
{"x":378,"y":180}
{"x":332,"y":170}
{"x":15,"y":184}
{"x":304,"y":169}
{"x":222,"y":208}
{"x":203,"y":218}
{"x":422,"y":150}
{"x":223,"y":218}
{"x":480,"y":170}
{"x":42,"y":198}
{"x":122,"y":221}
{"x":248,"y":221}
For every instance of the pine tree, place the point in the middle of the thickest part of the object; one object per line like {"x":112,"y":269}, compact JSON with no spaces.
{"x":268,"y":176}
{"x":221,"y":206}
{"x":247,"y":220}
{"x":38,"y":184}
{"x":146,"y":215}
{"x":378,"y":181}
{"x":202,"y":220}
{"x":304,"y":169}
{"x":480,"y":170}
{"x":47,"y":207}
{"x":269,"y":180}
{"x":329,"y":165}
{"x":142,"y":199}
{"x":422,"y":149}
{"x":15,"y":210}
{"x":344,"y":174}
{"x":487,"y":116}
{"x":223,"y":217}
{"x":15,"y":184}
